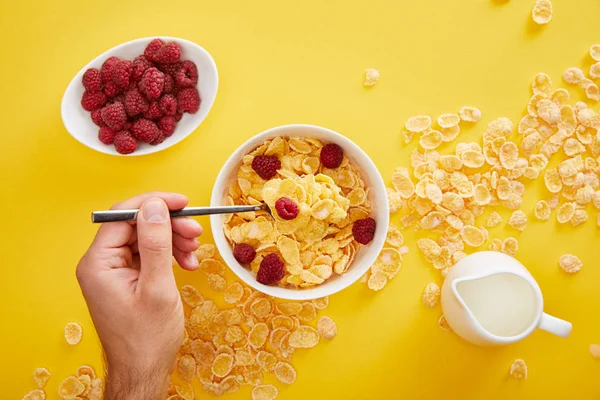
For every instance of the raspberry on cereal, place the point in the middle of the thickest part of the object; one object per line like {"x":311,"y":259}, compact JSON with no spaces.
{"x":271,"y":270}
{"x":114,"y":115}
{"x":153,"y":113}
{"x":91,"y":101}
{"x":152,"y":83}
{"x":106,"y":135}
{"x":187,"y":75}
{"x":286,"y":208}
{"x":363,"y":230}
{"x":332,"y":155}
{"x":106,"y":69}
{"x":188,"y":100}
{"x":152,"y":48}
{"x":140,"y":65}
{"x":135,"y":102}
{"x":169,"y":53}
{"x":97,"y":118}
{"x":244,"y":253}
{"x":167,"y":125}
{"x":125,"y":143}
{"x":121,"y":72}
{"x":92,"y":80}
{"x":266,"y":166}
{"x":168,"y":104}
{"x":145,"y":131}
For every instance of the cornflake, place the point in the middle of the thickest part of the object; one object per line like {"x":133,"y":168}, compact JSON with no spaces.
{"x":573,"y":76}
{"x":305,"y":337}
{"x":595,"y":52}
{"x":542,"y":12}
{"x":285,"y":372}
{"x":518,"y":369}
{"x":470,"y":114}
{"x":431,"y":140}
{"x":191,"y":296}
{"x":472,"y":236}
{"x":37,"y":394}
{"x":186,"y":367}
{"x":570,"y":263}
{"x":264,"y":392}
{"x":595,"y":71}
{"x":518,"y":220}
{"x":371,"y":77}
{"x":71,"y":387}
{"x":418,"y":124}
{"x":73,"y":333}
{"x":493,"y":220}
{"x":542,"y":210}
{"x":41,"y":376}
{"x":443,"y":324}
{"x":327,"y":327}
{"x":431,"y":295}
{"x":510,"y":246}
{"x":565,"y":213}
{"x":448,"y":120}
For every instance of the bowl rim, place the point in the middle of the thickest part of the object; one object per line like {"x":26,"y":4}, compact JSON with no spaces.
{"x":64,"y":106}
{"x":345,"y":280}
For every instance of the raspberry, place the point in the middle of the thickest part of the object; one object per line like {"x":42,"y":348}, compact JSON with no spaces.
{"x":271,"y":270}
{"x":169,"y":84}
{"x":286,"y":208}
{"x":97,"y":118}
{"x":331,"y":155}
{"x":92,"y":80}
{"x":121,"y":72}
{"x":159,"y":139}
{"x":168,"y":104}
{"x":170,"y":69}
{"x":364,"y":230}
{"x":114,"y":115}
{"x":244,"y":253}
{"x":140,"y":65}
{"x":178,"y":116}
{"x":91,"y":101}
{"x":167,"y":125}
{"x":152,"y":48}
{"x":106,"y":69}
{"x":135,"y":103}
{"x":111,"y":90}
{"x":188,"y":100}
{"x":153,"y":113}
{"x":168,"y":54}
{"x":266,"y":166}
{"x":144,"y":130}
{"x":187,"y":75}
{"x":125,"y":143}
{"x":128,"y":125}
{"x":152,"y":83}
{"x":106,"y":135}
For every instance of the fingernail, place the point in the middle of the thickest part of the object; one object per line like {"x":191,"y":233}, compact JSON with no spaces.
{"x":155,"y":211}
{"x":193,"y":260}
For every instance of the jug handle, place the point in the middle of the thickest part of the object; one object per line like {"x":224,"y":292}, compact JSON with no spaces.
{"x":555,"y":325}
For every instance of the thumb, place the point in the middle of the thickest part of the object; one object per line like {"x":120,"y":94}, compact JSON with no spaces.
{"x":154,"y":237}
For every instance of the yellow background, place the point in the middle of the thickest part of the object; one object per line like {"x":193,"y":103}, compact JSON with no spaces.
{"x":290,"y":62}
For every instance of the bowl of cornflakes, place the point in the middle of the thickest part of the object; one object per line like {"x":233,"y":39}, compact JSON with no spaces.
{"x":327,"y":214}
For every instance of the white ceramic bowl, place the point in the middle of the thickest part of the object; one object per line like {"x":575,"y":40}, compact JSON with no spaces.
{"x":366,"y":254}
{"x":79,"y":123}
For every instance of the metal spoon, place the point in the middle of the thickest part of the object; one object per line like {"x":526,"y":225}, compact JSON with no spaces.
{"x":131,"y":215}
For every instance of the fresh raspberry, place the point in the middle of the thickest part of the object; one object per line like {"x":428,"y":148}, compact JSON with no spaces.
{"x":364,"y":230}
{"x":244,"y":253}
{"x":91,"y":101}
{"x":106,"y":69}
{"x":266,"y":166}
{"x":169,"y":84}
{"x":135,"y":103}
{"x":331,"y":155}
{"x":106,"y":135}
{"x":121,"y":73}
{"x":97,"y":118}
{"x":169,"y":69}
{"x":92,"y":80}
{"x":128,"y":125}
{"x":152,"y":83}
{"x":145,"y":131}
{"x":169,"y":53}
{"x":271,"y":270}
{"x":286,"y":208}
{"x":178,"y":116}
{"x":168,"y":104}
{"x":111,"y":90}
{"x":125,"y":143}
{"x":187,"y":75}
{"x":159,"y":139}
{"x":152,"y":48}
{"x":140,"y":65}
{"x":114,"y":116}
{"x":188,"y":100}
{"x":154,"y":113}
{"x":167,"y":125}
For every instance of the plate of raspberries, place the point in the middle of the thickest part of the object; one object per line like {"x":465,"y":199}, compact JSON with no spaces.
{"x":141,"y":97}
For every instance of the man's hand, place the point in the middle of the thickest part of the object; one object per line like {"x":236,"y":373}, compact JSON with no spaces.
{"x":126,"y":277}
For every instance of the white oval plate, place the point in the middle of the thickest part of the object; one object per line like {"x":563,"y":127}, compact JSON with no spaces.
{"x":80,"y":125}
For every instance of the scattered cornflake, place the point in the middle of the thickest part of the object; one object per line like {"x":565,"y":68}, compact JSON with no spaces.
{"x":542,"y":210}
{"x":70,"y":388}
{"x":518,"y":369}
{"x":191,"y":296}
{"x":431,"y":140}
{"x":542,"y":12}
{"x":565,"y":213}
{"x":206,"y":251}
{"x":264,"y":392}
{"x":327,"y":327}
{"x":448,"y":120}
{"x":493,"y":220}
{"x":431,"y":295}
{"x":73,"y":333}
{"x":37,"y":394}
{"x":371,"y":77}
{"x":470,"y":114}
{"x":570,"y":263}
{"x":418,"y":124}
{"x":233,"y":293}
{"x":285,"y":372}
{"x":573,"y":76}
{"x":595,"y":71}
{"x":186,"y":367}
{"x":185,"y":390}
{"x":216,"y":282}
{"x":595,"y":351}
{"x":41,"y":376}
{"x":592,"y":92}
{"x":510,"y":246}
{"x":518,"y":220}
{"x":443,"y":324}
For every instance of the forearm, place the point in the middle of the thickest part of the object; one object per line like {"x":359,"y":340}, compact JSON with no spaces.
{"x":135,"y":384}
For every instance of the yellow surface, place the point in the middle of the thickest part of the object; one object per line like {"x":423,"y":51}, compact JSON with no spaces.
{"x":287,"y":62}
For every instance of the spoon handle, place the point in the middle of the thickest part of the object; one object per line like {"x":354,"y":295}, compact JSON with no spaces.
{"x":130,"y":215}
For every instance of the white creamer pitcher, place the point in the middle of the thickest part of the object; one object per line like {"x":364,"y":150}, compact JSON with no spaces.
{"x":490,"y":298}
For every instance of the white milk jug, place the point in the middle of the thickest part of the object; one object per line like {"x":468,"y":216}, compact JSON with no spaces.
{"x":490,"y":298}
